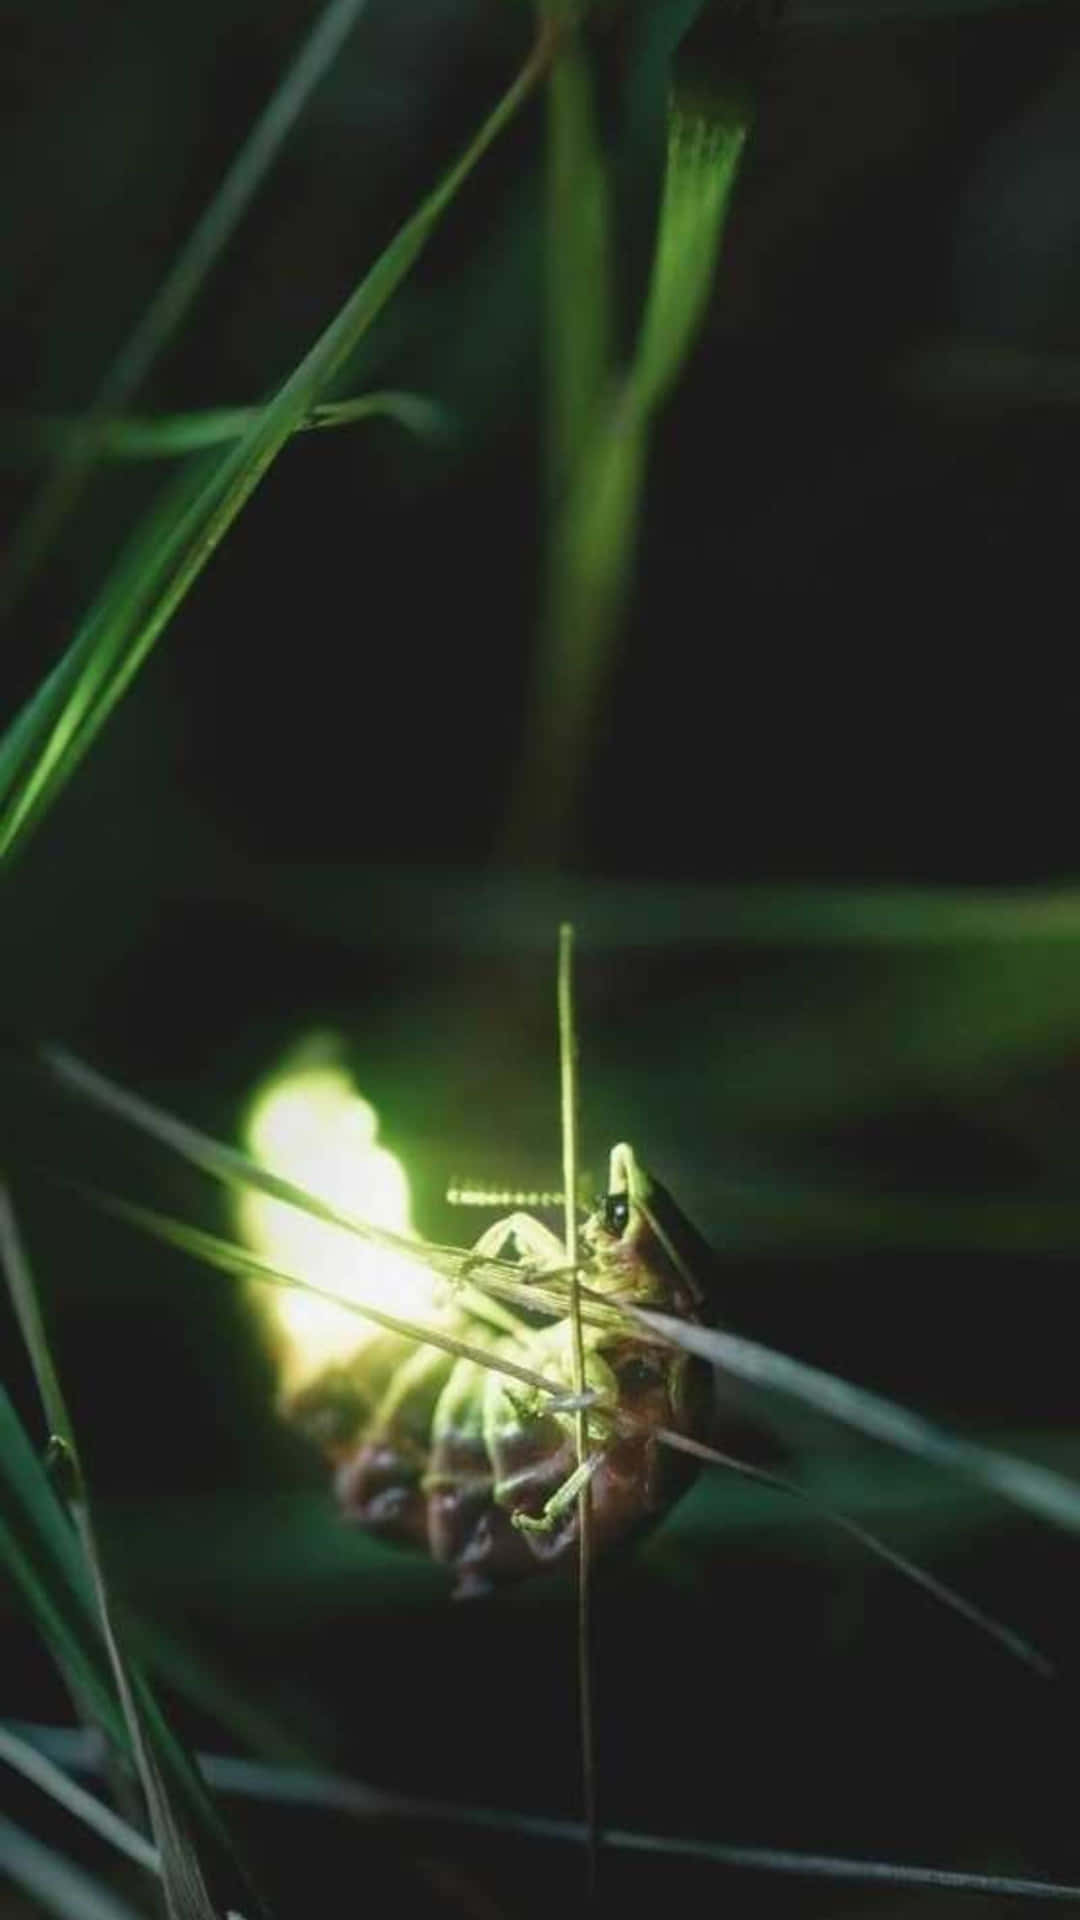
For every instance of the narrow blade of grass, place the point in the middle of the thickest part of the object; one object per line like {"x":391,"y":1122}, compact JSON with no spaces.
{"x":36,"y":1767}
{"x":594,"y":535}
{"x":42,"y":750}
{"x":335,"y":1792}
{"x":568,"y":1108}
{"x":178,"y":291}
{"x":228,"y":1257}
{"x":235,"y":1169}
{"x":166,"y":437}
{"x":578,"y":275}
{"x":57,"y":1884}
{"x":1007,"y":1638}
{"x":40,"y":1551}
{"x":1036,"y":1489}
{"x":200,"y":1875}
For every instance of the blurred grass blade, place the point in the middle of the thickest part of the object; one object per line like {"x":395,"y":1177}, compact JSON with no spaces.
{"x":594,"y":534}
{"x":41,"y":751}
{"x":190,"y":1838}
{"x":228,"y":1257}
{"x":899,"y":13}
{"x":335,"y":1792}
{"x":1036,"y":1489}
{"x":236,"y":1169}
{"x":39,"y":1549}
{"x":36,"y":1767}
{"x":705,"y":146}
{"x":578,"y":273}
{"x":131,"y":437}
{"x":179,"y":289}
{"x":1012,"y":1642}
{"x":57,"y":1885}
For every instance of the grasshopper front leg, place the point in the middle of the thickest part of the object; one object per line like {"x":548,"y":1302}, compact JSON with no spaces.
{"x":564,"y":1496}
{"x":536,"y":1244}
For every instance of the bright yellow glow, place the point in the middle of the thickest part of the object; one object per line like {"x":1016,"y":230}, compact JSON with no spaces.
{"x":310,"y":1125}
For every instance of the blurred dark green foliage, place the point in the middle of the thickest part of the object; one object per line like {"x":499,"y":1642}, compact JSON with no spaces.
{"x":841,"y":665}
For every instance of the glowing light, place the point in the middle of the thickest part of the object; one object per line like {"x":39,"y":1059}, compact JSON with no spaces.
{"x":311,"y":1125}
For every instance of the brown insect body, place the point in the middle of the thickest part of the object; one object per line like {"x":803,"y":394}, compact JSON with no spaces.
{"x":450,"y":1456}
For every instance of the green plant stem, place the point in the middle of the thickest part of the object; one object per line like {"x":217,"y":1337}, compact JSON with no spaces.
{"x":568,"y":1104}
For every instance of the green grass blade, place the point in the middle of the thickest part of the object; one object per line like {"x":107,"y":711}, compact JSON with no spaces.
{"x":166,"y":437}
{"x":57,"y":1884}
{"x":756,"y":1214}
{"x":49,"y":739}
{"x":578,"y":272}
{"x":39,"y":1549}
{"x":1036,"y":1489}
{"x":179,"y":289}
{"x":594,"y":535}
{"x":228,"y":1257}
{"x":236,"y":1169}
{"x":189,"y":1835}
{"x":705,"y":146}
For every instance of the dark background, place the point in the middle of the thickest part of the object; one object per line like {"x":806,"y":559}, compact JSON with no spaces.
{"x":846,"y":661}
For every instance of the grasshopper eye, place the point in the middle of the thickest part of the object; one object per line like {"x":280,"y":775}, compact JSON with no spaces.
{"x":617,"y":1212}
{"x":636,"y":1376}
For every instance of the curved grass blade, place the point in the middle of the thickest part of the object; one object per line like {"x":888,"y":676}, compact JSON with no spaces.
{"x":166,"y":437}
{"x":595,"y":530}
{"x":42,"y":749}
{"x":178,"y":290}
{"x":1036,"y":1489}
{"x":196,"y":1858}
{"x":946,"y":1596}
{"x":334,"y":1792}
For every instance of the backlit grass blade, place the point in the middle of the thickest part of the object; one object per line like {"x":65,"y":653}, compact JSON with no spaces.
{"x":228,"y":1257}
{"x":594,"y":532}
{"x":1036,"y":1489}
{"x":64,"y":718}
{"x":705,"y":146}
{"x":578,"y":270}
{"x":236,"y":1169}
{"x":196,"y":1861}
{"x":179,"y":289}
{"x":755,"y":1215}
{"x":166,"y":437}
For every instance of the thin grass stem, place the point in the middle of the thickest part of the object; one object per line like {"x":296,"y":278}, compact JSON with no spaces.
{"x":568,"y":1103}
